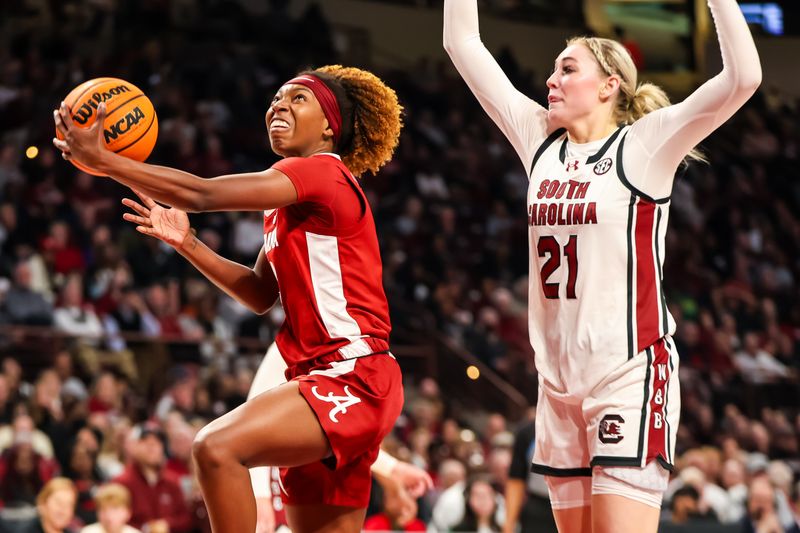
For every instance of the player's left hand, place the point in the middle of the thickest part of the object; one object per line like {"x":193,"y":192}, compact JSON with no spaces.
{"x":170,"y":225}
{"x":85,"y":145}
{"x":413,"y":478}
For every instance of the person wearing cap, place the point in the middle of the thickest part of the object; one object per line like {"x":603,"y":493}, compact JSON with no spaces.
{"x":113,"y":502}
{"x":156,"y":497}
{"x":321,"y":255}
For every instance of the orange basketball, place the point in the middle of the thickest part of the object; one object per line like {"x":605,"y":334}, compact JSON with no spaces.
{"x":130,"y":127}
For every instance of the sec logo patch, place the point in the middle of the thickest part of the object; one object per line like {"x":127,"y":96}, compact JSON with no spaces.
{"x":602,"y":166}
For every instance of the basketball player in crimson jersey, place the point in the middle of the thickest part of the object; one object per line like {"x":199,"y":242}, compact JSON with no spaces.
{"x":601,"y":159}
{"x":405,"y":480}
{"x":321,"y":255}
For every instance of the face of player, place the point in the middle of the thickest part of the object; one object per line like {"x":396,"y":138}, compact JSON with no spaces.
{"x":575,"y":87}
{"x":296,"y":124}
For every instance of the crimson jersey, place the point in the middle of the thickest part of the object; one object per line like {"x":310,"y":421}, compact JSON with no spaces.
{"x":324,"y":252}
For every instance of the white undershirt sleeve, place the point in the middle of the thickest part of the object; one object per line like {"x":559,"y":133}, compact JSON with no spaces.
{"x":384,"y":464}
{"x":658,"y":142}
{"x":521,"y":120}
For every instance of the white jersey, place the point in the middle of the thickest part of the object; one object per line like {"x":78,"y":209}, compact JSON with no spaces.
{"x":596,"y":258}
{"x":597,"y":235}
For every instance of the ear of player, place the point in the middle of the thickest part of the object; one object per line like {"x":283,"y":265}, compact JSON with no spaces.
{"x":130,"y":126}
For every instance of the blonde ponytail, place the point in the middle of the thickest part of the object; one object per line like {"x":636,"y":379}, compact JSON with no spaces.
{"x":647,"y":98}
{"x":633,"y":100}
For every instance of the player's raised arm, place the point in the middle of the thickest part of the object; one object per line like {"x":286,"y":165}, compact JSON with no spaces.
{"x":522,"y":120}
{"x":663,"y":138}
{"x":268,"y":189}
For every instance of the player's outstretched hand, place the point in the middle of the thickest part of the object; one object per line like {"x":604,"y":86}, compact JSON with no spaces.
{"x":170,"y":225}
{"x":85,"y":145}
{"x":413,"y":478}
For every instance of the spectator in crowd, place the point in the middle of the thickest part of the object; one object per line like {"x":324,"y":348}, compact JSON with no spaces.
{"x":113,"y":503}
{"x":105,"y":397}
{"x":163,"y":302}
{"x":180,"y":394}
{"x":180,"y":436}
{"x":780,"y":475}
{"x":60,"y":253}
{"x":762,"y":512}
{"x":733,"y":479}
{"x":77,"y":318}
{"x":23,"y":305}
{"x":112,"y":457}
{"x":685,"y":507}
{"x":22,"y":429}
{"x":55,"y":504}
{"x":156,"y":498}
{"x":449,"y":507}
{"x":23,"y":472}
{"x":83,"y":471}
{"x":481,"y":508}
{"x":757,"y":365}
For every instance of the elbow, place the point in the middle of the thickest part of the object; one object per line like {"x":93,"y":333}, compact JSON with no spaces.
{"x":748,"y":80}
{"x":751,"y":81}
{"x":259,"y":308}
{"x":450,"y":41}
{"x":264,"y":305}
{"x":262,"y":308}
{"x":447,"y":42}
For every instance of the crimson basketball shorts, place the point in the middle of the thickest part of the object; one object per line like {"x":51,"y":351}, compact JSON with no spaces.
{"x":357,"y":402}
{"x":629,"y":419}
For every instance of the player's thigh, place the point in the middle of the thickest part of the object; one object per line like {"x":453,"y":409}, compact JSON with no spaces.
{"x":612,"y":513}
{"x":325,"y":518}
{"x":574,"y":519}
{"x":276,"y":428}
{"x":570,"y":499}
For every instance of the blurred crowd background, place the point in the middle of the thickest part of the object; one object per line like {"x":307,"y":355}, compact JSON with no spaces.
{"x":115,"y":351}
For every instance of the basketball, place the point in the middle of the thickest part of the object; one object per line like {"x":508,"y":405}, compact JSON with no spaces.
{"x":131,"y":126}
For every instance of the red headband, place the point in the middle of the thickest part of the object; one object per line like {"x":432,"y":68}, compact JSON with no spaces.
{"x":327,"y":100}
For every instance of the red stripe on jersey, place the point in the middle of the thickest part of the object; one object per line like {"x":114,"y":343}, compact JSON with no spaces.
{"x":647,"y":326}
{"x":657,"y":421}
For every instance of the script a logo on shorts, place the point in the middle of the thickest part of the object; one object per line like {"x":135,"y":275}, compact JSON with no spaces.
{"x":341,"y":402}
{"x":602,"y":166}
{"x":610,"y":430}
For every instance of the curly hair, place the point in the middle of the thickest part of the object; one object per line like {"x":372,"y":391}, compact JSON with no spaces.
{"x":371,"y":117}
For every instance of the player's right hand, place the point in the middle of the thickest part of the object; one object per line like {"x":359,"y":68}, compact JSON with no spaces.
{"x":413,"y":478}
{"x":170,"y":225}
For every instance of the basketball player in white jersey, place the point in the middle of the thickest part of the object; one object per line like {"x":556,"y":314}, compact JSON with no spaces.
{"x":270,"y":505}
{"x":601,"y":159}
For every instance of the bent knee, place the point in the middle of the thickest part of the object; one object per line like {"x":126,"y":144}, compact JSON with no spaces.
{"x":209,"y":449}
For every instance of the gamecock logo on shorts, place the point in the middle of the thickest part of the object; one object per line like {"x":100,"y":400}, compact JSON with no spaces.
{"x":341,"y":403}
{"x":610,"y":430}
